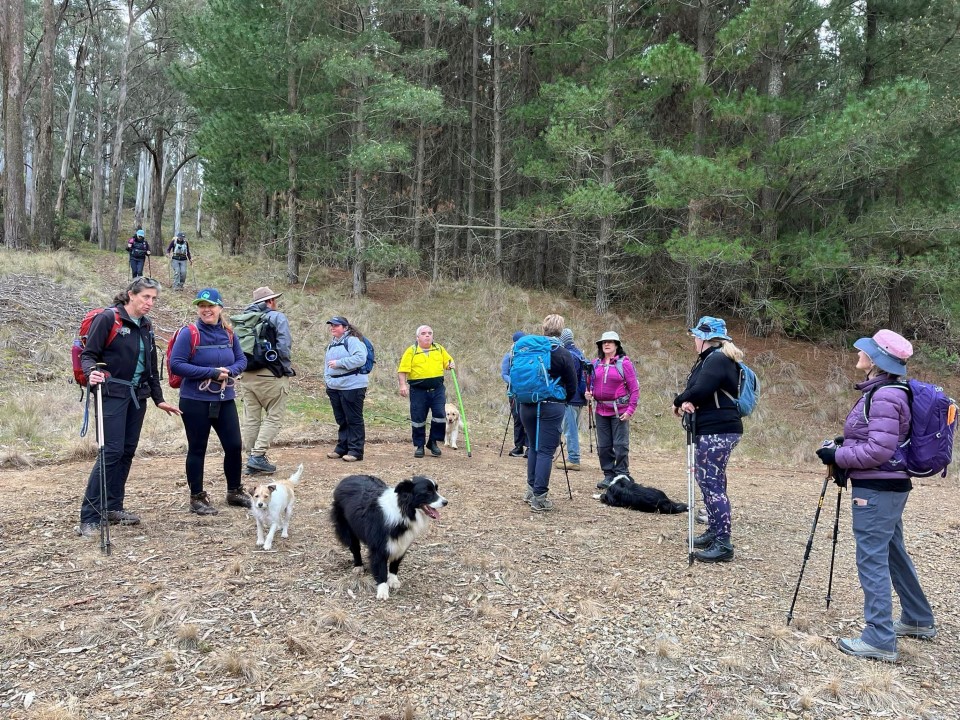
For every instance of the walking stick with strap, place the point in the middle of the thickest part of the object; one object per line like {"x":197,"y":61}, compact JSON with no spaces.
{"x":813,"y":529}
{"x":463,"y":415}
{"x":836,"y":531}
{"x":565,"y":472}
{"x":105,"y":544}
{"x":689,"y":422}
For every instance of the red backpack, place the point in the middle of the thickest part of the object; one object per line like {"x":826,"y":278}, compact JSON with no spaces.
{"x":176,"y":380}
{"x":80,"y":342}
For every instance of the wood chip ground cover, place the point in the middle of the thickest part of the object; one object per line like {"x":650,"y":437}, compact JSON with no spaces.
{"x":587,"y":612}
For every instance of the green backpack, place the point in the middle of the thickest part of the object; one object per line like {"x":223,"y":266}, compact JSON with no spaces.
{"x":258,"y":339}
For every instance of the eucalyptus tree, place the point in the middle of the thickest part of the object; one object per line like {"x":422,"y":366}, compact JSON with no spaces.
{"x":14,"y":179}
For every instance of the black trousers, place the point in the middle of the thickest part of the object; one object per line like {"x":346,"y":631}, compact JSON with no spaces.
{"x":348,"y":412}
{"x":122,"y":422}
{"x":199,"y":417}
{"x":519,"y":434}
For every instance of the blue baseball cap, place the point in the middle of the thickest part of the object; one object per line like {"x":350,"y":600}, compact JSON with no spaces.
{"x":518,"y":334}
{"x":338,"y":320}
{"x":209,"y":295}
{"x":141,"y":233}
{"x":710,"y":328}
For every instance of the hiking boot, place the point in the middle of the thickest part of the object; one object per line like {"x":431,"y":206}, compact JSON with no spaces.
{"x":570,"y":465}
{"x":261,"y":464}
{"x":122,"y":517}
{"x":540,"y":503}
{"x":201,"y":505}
{"x":917,"y":632}
{"x":605,"y":483}
{"x":250,"y":471}
{"x":517,"y":452}
{"x":350,"y":458}
{"x":238,"y":497}
{"x":702,"y":516}
{"x":418,"y":452}
{"x":528,"y":496}
{"x":334,"y":455}
{"x":704,"y":541}
{"x":90,"y":529}
{"x":434,"y":448}
{"x":718,"y":551}
{"x":859,"y":648}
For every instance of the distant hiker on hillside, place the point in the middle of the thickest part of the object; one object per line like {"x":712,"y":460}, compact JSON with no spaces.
{"x":420,"y":376}
{"x":179,"y":253}
{"x":871,"y":450}
{"x":519,"y":435}
{"x":709,"y":396}
{"x":138,"y":248}
{"x":613,"y":387}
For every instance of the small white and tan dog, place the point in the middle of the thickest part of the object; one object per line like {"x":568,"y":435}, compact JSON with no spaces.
{"x":454,"y":425}
{"x":272,"y":506}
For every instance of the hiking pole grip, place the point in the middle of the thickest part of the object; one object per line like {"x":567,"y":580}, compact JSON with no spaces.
{"x":463,"y":415}
{"x":806,"y":552}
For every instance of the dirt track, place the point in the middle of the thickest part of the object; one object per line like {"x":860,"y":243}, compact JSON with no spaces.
{"x":585,"y":612}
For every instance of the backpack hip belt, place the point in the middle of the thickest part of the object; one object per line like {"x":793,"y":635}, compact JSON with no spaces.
{"x":624,"y":400}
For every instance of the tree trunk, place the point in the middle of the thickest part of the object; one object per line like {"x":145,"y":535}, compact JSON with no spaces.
{"x":696,"y":207}
{"x":71,"y":123}
{"x":359,"y":242}
{"x":420,"y":159}
{"x":14,"y":189}
{"x":602,"y":301}
{"x":293,"y":237}
{"x":97,"y":163}
{"x":474,"y":130}
{"x":43,"y":225}
{"x":156,"y":201}
{"x":497,"y":140}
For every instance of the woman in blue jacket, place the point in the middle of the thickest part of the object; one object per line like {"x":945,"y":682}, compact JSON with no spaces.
{"x":871,"y":454}
{"x":208,"y":399}
{"x":346,"y":387}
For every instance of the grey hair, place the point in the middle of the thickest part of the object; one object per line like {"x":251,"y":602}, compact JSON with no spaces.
{"x":135,"y":288}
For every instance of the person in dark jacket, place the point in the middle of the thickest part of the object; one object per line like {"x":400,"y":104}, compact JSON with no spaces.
{"x":139,"y":249}
{"x":708,"y":402}
{"x":542,"y":421}
{"x":519,"y":434}
{"x":871,"y":454}
{"x":179,"y":253}
{"x":129,"y":375}
{"x":208,"y":399}
{"x":575,"y":403}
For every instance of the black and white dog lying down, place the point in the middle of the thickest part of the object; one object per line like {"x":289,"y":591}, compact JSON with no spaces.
{"x":625,"y":492}
{"x":385,"y":519}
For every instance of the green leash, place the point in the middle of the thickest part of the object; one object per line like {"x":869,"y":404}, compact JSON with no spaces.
{"x":463,"y":415}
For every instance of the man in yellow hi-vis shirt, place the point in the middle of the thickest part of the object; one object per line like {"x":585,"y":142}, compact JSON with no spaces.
{"x":420,"y":374}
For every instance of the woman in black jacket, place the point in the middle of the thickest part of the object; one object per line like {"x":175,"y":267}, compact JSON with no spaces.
{"x":129,"y":375}
{"x":708,"y":402}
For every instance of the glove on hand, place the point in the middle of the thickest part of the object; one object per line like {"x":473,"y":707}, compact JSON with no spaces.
{"x":827,"y":455}
{"x":840,"y":477}
{"x":838,"y":440}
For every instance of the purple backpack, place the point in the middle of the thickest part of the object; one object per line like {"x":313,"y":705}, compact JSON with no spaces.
{"x":933,"y":419}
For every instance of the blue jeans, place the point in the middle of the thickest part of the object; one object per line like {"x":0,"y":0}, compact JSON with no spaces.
{"x":571,"y":432}
{"x":422,"y":401}
{"x":136,"y":266}
{"x":882,"y":560}
{"x":542,"y":423}
{"x":122,"y":422}
{"x":179,"y":268}
{"x":348,"y":412}
{"x":713,"y":454}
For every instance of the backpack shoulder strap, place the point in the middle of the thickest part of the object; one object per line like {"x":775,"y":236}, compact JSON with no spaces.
{"x":194,"y":338}
{"x":868,"y":399}
{"x":115,"y":327}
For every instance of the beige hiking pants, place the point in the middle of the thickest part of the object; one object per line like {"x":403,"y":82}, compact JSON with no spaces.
{"x":264,"y":402}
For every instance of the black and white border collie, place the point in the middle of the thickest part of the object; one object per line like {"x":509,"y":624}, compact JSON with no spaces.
{"x":385,"y":519}
{"x":625,"y":492}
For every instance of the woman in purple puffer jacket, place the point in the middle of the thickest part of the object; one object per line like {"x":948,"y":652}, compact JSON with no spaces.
{"x":872,"y":457}
{"x":208,"y":399}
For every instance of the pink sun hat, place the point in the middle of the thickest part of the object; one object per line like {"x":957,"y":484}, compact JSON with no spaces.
{"x":888,"y":351}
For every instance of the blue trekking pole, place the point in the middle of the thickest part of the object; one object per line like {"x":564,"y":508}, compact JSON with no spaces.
{"x":463,"y":415}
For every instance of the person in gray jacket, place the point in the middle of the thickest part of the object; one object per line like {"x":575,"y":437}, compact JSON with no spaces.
{"x":346,"y":387}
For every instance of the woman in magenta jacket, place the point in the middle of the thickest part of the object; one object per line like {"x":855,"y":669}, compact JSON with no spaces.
{"x":871,"y":453}
{"x":614,"y":389}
